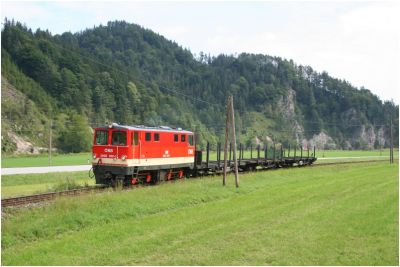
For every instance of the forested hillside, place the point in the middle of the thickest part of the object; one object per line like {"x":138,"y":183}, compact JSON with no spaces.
{"x":124,"y":73}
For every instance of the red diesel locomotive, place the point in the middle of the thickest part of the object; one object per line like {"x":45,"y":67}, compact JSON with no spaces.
{"x":139,"y":154}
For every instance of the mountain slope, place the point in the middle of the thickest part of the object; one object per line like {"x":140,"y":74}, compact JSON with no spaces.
{"x":125,"y":73}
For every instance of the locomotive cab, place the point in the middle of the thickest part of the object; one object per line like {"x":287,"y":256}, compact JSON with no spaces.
{"x":133,"y":154}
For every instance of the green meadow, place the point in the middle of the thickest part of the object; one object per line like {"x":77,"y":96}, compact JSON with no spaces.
{"x":326,"y":215}
{"x":41,"y":160}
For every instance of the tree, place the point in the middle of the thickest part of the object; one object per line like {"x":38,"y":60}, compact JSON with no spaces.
{"x":77,"y":136}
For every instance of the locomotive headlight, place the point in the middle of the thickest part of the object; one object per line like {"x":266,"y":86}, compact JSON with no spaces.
{"x":94,"y":156}
{"x":123,"y":157}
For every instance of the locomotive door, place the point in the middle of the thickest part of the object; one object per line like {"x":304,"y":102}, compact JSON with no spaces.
{"x":136,"y":147}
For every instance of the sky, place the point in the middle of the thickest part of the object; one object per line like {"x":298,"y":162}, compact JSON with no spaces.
{"x":358,"y":41}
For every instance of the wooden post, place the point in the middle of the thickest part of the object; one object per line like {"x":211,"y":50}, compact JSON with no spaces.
{"x":227,"y":126}
{"x":234,"y":143}
{"x":50,"y":139}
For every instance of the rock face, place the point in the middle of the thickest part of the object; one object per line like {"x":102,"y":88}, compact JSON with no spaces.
{"x":364,"y":136}
{"x":286,"y":104}
{"x":23,"y":146}
{"x":320,"y":141}
{"x":380,"y":136}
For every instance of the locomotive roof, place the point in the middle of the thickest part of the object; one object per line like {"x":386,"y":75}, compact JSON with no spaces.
{"x":146,"y":128}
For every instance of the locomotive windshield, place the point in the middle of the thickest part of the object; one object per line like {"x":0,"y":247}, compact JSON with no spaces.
{"x":190,"y":137}
{"x":101,"y":137}
{"x":119,"y":138}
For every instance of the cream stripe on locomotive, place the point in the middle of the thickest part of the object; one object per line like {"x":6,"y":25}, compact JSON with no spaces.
{"x":143,"y":162}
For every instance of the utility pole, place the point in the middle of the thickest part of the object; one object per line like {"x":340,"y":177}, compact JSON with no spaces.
{"x":229,"y":135}
{"x":234,"y":143}
{"x":227,"y":126}
{"x":391,"y":141}
{"x":50,"y":139}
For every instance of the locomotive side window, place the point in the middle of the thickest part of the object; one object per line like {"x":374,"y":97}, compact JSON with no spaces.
{"x":156,"y":137}
{"x":183,"y":138}
{"x":190,"y":139}
{"x":135,"y":138}
{"x":101,"y":137}
{"x":176,"y":138}
{"x":147,"y":137}
{"x":119,"y":138}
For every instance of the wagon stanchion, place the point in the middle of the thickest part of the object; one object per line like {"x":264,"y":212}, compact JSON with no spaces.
{"x":258,"y":153}
{"x":274,"y":151}
{"x":218,"y":155}
{"x":288,"y":153}
{"x":295,"y":152}
{"x":251,"y":151}
{"x":266,"y":152}
{"x":208,"y":154}
{"x":301,"y":151}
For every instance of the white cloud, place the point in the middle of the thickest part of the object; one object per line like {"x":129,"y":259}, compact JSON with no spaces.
{"x":360,"y":45}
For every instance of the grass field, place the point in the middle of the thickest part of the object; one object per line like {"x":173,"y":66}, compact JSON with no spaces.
{"x":330,"y":215}
{"x":84,"y":158}
{"x":28,"y":184}
{"x":43,"y":160}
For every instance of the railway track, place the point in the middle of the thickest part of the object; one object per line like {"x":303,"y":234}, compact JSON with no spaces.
{"x":45,"y":197}
{"x":37,"y":198}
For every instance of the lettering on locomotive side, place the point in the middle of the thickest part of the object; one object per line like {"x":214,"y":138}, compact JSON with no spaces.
{"x":190,"y":151}
{"x":109,"y":150}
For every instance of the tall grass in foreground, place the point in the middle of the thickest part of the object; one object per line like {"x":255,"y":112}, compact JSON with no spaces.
{"x":333,"y":215}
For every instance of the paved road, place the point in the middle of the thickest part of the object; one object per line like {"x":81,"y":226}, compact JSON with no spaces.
{"x":25,"y":170}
